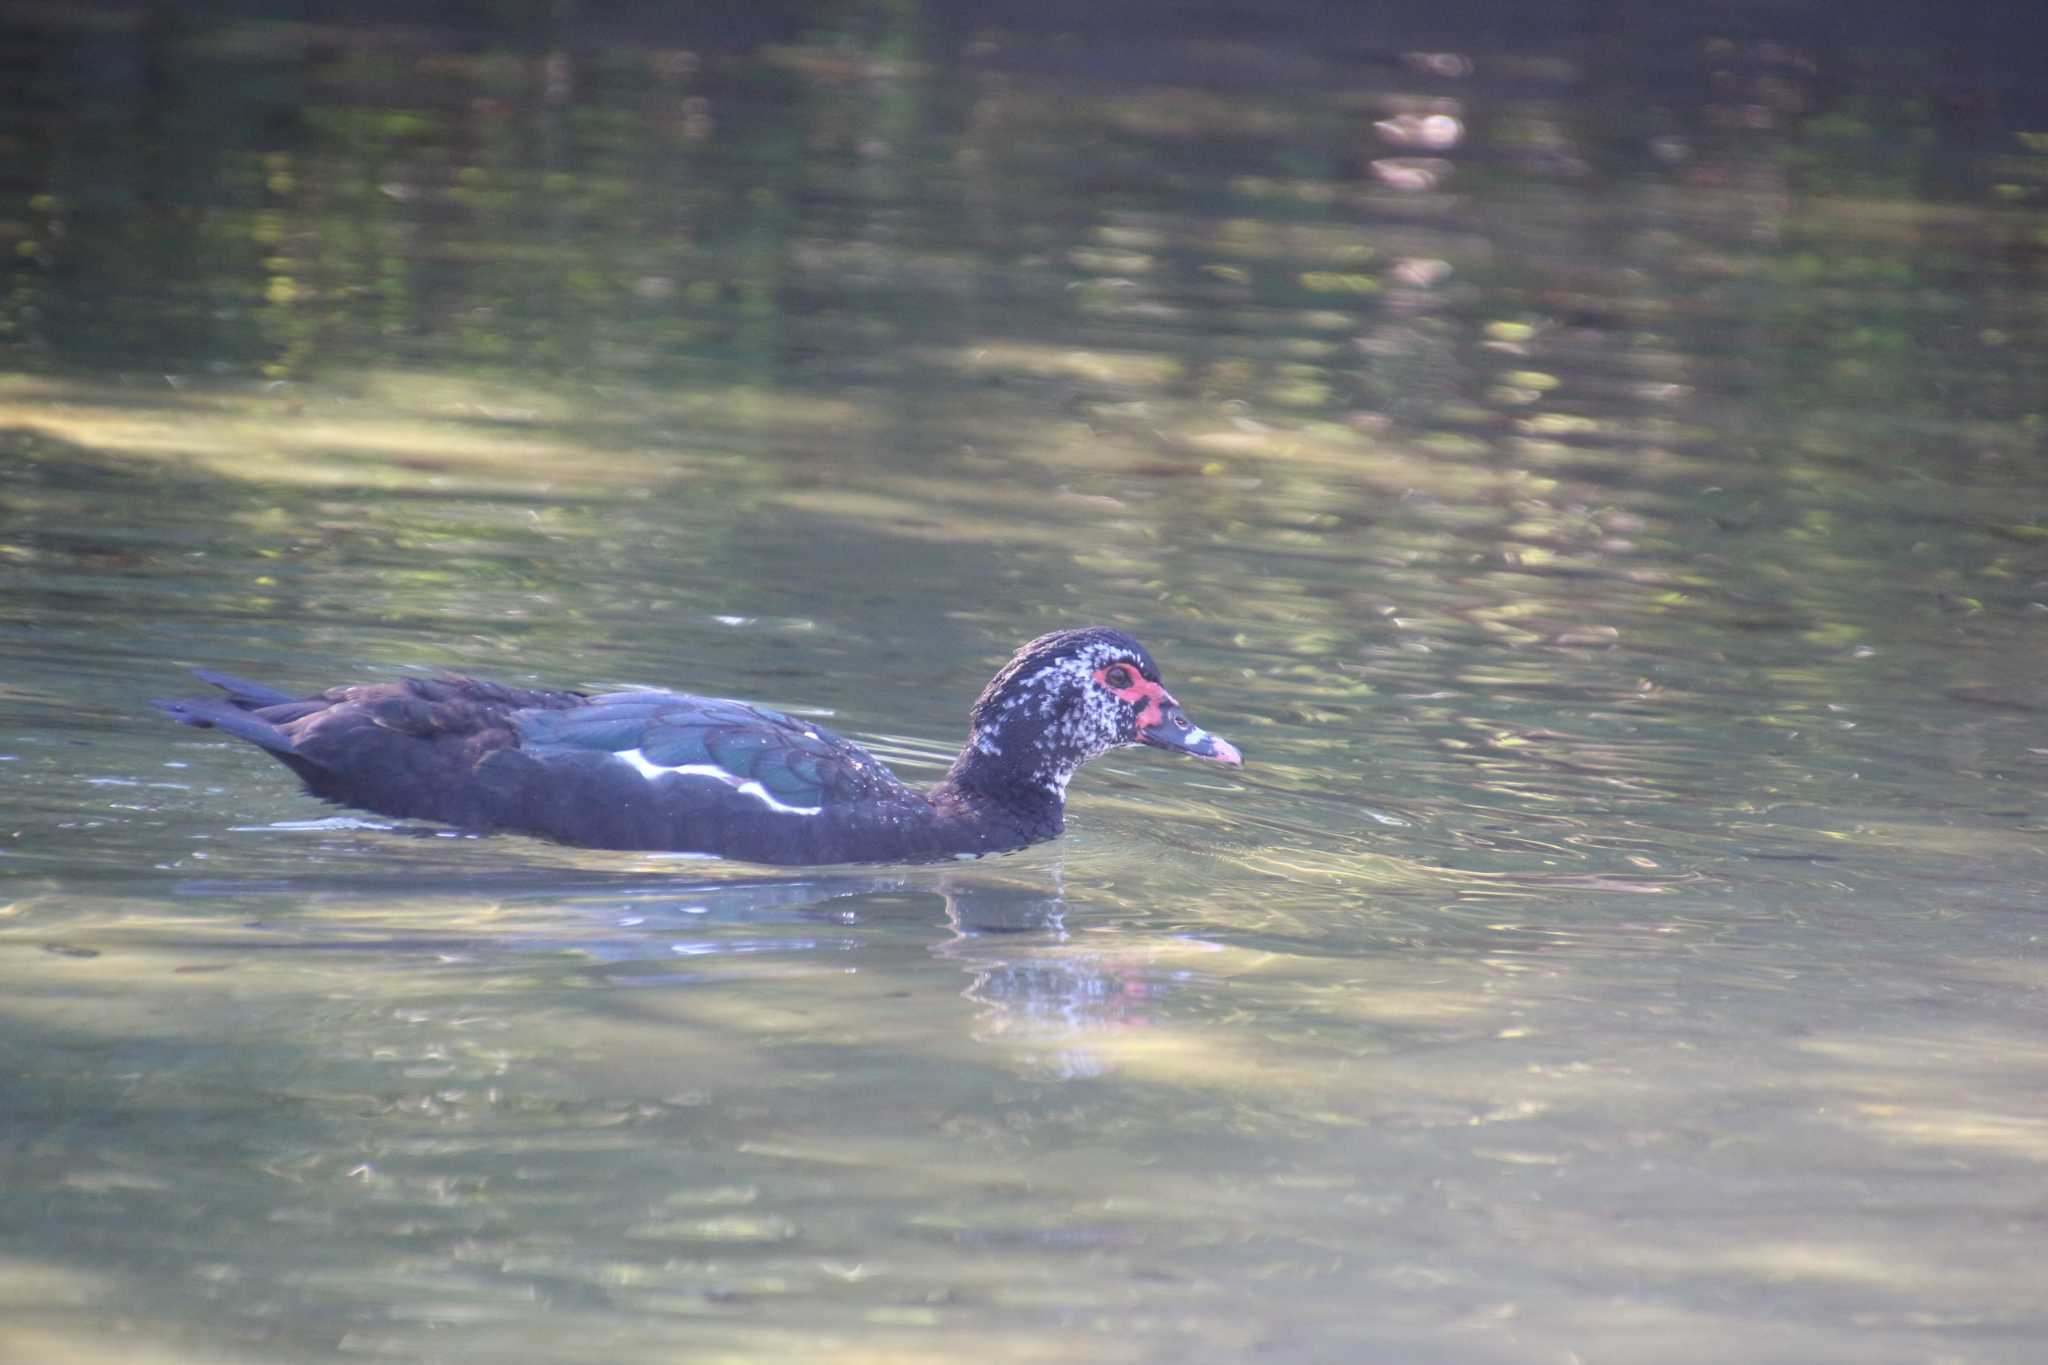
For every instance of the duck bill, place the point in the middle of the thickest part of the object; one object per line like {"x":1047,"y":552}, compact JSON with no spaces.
{"x":1173,"y":730}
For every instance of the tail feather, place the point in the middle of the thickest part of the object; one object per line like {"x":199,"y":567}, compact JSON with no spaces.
{"x":214,"y":713}
{"x":245,"y":694}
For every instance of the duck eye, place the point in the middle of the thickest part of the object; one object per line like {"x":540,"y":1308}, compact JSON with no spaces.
{"x":1118,"y":677}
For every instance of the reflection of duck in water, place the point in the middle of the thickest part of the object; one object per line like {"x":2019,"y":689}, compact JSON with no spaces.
{"x":1038,"y":989}
{"x":667,"y":771}
{"x":1037,"y":985}
{"x":1042,"y":992}
{"x":976,"y":903}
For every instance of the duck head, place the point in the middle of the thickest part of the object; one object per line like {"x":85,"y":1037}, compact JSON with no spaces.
{"x":1068,"y":697}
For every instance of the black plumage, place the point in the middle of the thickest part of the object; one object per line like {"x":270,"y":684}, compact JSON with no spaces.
{"x":668,"y":771}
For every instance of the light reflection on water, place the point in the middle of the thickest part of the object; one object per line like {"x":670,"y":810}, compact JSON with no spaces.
{"x":1609,"y":528}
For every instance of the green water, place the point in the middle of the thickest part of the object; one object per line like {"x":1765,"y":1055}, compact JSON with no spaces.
{"x":1616,"y":538}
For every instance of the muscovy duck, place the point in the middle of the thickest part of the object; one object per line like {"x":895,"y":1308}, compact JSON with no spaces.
{"x":667,"y":771}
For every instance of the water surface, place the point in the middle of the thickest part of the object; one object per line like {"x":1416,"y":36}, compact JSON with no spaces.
{"x":1596,"y":482}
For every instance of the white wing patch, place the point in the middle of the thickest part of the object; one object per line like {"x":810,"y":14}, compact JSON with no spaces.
{"x":744,"y":786}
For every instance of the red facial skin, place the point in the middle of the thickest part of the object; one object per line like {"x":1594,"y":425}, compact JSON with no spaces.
{"x":1149,"y":697}
{"x":1156,"y":706}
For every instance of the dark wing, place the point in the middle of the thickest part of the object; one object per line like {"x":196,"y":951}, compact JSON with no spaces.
{"x":802,"y":766}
